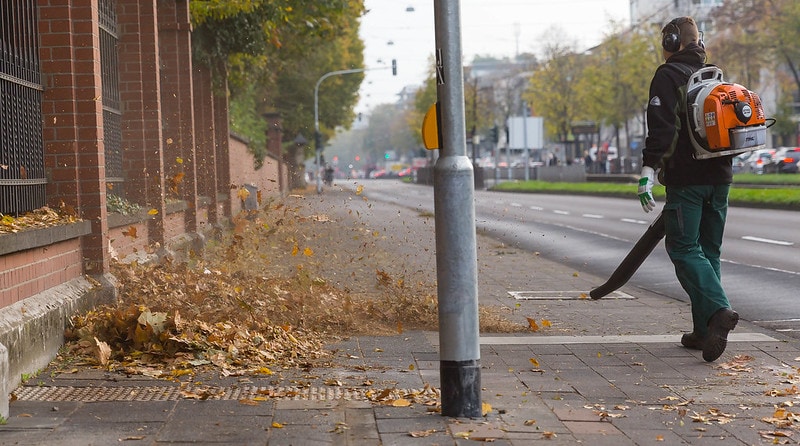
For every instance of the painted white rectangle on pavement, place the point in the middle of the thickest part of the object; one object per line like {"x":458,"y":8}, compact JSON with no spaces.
{"x":564,"y":295}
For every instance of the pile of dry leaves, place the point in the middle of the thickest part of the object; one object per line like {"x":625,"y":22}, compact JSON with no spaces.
{"x":39,"y":218}
{"x":254,"y":301}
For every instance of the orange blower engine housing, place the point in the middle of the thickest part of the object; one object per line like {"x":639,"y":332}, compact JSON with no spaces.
{"x":724,"y":118}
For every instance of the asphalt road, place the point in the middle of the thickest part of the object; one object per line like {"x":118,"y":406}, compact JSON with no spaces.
{"x":761,"y":250}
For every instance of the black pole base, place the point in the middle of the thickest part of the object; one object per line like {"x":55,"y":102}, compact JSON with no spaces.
{"x":461,"y":388}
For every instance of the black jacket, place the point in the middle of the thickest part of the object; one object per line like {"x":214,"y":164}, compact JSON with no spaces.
{"x":668,"y":145}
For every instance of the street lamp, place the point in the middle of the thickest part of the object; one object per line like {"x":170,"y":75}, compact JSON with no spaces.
{"x":317,"y":134}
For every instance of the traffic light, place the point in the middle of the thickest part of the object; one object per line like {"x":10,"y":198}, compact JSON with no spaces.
{"x":394,"y":67}
{"x":494,"y":134}
{"x":386,"y":155}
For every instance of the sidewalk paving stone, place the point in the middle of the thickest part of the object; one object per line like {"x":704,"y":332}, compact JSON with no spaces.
{"x":608,"y":372}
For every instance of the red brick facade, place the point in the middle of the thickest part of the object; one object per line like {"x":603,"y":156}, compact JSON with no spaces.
{"x":176,"y":155}
{"x":32,"y":271}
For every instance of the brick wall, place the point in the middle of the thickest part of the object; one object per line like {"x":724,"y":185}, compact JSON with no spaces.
{"x":265,"y":179}
{"x":177,"y":101}
{"x":26,"y":273}
{"x":195,"y":120}
{"x":72,"y":117}
{"x":140,"y":87}
{"x":129,"y":239}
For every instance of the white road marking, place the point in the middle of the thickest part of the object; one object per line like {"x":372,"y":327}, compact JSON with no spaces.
{"x":766,"y":240}
{"x":516,"y":205}
{"x":775,"y":321}
{"x":635,"y":339}
{"x":564,"y":295}
{"x":537,"y":208}
{"x":632,"y":220}
{"x":592,"y":216}
{"x":559,"y":212}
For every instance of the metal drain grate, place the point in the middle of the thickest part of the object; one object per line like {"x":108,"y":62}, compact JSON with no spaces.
{"x":172,"y":393}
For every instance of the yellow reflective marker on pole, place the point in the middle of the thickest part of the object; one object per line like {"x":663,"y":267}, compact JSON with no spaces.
{"x":430,"y":128}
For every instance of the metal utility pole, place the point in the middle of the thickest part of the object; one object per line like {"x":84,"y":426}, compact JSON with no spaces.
{"x":456,"y":247}
{"x":525,"y":139}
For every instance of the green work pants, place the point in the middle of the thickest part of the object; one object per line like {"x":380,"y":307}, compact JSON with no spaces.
{"x":694,"y":218}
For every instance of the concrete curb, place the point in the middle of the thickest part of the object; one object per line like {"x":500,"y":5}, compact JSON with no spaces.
{"x":3,"y":385}
{"x":32,"y":331}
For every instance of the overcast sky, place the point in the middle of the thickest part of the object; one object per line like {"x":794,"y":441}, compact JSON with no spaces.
{"x":404,"y":30}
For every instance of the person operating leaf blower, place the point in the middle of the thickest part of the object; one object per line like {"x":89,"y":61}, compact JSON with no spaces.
{"x":697,"y":191}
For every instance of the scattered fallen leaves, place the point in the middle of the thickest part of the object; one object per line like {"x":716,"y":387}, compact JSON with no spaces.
{"x":776,"y":437}
{"x":739,"y":364}
{"x":428,"y":396}
{"x":251,"y":304}
{"x":422,"y":434}
{"x":713,"y":415}
{"x":37,"y":219}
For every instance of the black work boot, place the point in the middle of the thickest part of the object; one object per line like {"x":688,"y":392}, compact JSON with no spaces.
{"x":722,"y":322}
{"x":692,"y":341}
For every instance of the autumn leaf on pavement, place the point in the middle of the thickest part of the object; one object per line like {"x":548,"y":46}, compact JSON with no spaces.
{"x":421,"y":434}
{"x":156,"y":320}
{"x":532,"y":323}
{"x":103,"y":352}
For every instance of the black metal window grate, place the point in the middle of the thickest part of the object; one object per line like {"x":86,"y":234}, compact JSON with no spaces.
{"x":22,"y":175}
{"x":112,"y":115}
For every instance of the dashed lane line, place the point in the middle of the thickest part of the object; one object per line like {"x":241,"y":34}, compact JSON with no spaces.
{"x":766,"y":240}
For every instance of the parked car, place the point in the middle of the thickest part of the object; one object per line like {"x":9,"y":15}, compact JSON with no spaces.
{"x":740,"y":163}
{"x":407,"y":172}
{"x":760,"y":161}
{"x":380,"y":173}
{"x":788,"y":160}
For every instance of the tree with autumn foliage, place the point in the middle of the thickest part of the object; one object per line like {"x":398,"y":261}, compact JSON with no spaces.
{"x":755,"y":43}
{"x":270,"y":54}
{"x":553,"y":89}
{"x":613,"y":86}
